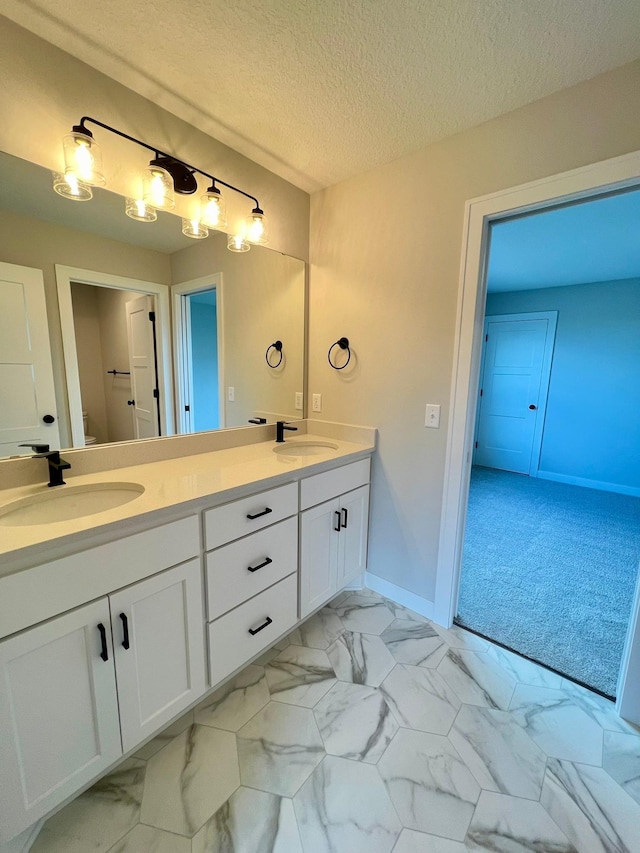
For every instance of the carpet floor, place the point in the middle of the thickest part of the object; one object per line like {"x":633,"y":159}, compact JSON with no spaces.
{"x":549,"y":570}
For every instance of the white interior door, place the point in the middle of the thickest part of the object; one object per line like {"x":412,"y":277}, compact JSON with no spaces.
{"x":27,"y":393}
{"x":515,"y":378}
{"x":142,"y":364}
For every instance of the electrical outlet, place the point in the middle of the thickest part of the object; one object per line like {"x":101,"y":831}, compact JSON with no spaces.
{"x":231,"y":394}
{"x":299,"y":400}
{"x":432,"y":415}
{"x":317,"y":402}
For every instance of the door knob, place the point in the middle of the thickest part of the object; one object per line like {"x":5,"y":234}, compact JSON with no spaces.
{"x":48,"y":419}
{"x":532,"y":406}
{"x":131,"y":402}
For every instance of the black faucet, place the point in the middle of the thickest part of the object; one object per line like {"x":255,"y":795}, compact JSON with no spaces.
{"x":280,"y":428}
{"x":56,"y":464}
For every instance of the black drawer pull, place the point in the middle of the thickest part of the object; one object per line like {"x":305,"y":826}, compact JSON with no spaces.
{"x":339,"y":527}
{"x":254,"y":631}
{"x":261,"y":566}
{"x":345,"y":515}
{"x":104,"y":654}
{"x":258,"y":514}
{"x":125,"y":631}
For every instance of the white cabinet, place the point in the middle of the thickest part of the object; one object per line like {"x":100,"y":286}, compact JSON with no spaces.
{"x":158,"y":636}
{"x":64,"y":682}
{"x":252,"y":582}
{"x":333,"y":534}
{"x":59,"y":723}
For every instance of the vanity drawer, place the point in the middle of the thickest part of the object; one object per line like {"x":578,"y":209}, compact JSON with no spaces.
{"x":230,"y":580}
{"x":230,"y":642}
{"x":322,"y":487}
{"x":225,"y":523}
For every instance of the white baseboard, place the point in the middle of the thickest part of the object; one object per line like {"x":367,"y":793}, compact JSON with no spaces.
{"x":634,"y":491}
{"x":399,"y":595}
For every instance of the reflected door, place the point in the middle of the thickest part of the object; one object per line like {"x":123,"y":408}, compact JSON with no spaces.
{"x":27,"y":398}
{"x":143,"y":368}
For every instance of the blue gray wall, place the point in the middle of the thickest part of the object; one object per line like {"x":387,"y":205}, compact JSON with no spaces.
{"x":204,"y":344}
{"x":592,"y":427}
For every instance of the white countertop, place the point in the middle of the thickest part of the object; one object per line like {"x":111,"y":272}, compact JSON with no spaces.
{"x":172,"y":487}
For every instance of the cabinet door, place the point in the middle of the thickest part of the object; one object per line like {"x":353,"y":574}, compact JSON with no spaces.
{"x":318,"y":555}
{"x":58,"y":713}
{"x":158,"y":637}
{"x":352,"y":541}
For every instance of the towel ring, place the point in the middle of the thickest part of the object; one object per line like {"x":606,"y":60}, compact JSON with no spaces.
{"x":343,"y":343}
{"x":277,"y":346}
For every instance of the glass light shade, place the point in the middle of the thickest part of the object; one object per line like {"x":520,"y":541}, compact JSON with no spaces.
{"x":140,"y":210}
{"x":237,"y":243}
{"x":213,"y":211}
{"x":157,"y":188}
{"x":82,"y":158}
{"x":256,"y":228}
{"x":194,"y":228}
{"x":69,"y":186}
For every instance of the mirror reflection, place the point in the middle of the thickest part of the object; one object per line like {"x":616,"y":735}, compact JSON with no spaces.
{"x":146,"y":332}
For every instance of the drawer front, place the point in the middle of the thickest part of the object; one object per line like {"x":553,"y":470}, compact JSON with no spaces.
{"x":64,"y":584}
{"x":322,"y":487}
{"x":230,"y":642}
{"x":238,"y":571}
{"x":231,"y":521}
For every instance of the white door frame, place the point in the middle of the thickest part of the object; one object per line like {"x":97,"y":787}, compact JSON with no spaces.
{"x":545,"y":375}
{"x":608,"y":175}
{"x":181,"y":361}
{"x":65,"y":276}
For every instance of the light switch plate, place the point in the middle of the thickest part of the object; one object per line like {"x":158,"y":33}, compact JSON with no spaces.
{"x":317,"y":402}
{"x":299,"y":400}
{"x":432,"y":415}
{"x":231,"y":394}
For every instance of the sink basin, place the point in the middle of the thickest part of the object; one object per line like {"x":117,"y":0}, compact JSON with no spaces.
{"x":64,"y":503}
{"x":304,"y":448}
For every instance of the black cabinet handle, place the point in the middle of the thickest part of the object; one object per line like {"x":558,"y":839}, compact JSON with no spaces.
{"x":532,"y":407}
{"x":345,"y":515}
{"x":254,"y":631}
{"x":131,"y":402}
{"x":338,"y":528}
{"x":104,"y":654}
{"x":125,"y":631}
{"x":48,"y":419}
{"x":258,"y":514}
{"x":261,"y":566}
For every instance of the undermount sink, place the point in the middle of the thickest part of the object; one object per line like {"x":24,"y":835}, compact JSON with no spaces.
{"x":64,"y":503}
{"x":304,"y":448}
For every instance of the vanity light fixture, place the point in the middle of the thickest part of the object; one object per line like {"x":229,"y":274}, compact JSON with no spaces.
{"x":213,"y":208}
{"x":194,"y":228}
{"x":68,"y":186}
{"x":237,"y":243}
{"x":139,"y":210}
{"x":256,"y":227}
{"x":82,"y":156}
{"x":163,"y":176}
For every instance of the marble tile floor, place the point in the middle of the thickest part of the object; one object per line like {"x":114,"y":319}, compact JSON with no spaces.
{"x":372,"y":730}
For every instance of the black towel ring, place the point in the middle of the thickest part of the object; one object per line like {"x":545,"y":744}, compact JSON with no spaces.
{"x":343,"y":343}
{"x":277,"y":346}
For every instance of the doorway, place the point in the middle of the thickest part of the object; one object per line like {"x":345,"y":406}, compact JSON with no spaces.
{"x":199,"y":353}
{"x":136,"y":314}
{"x":596,"y":180}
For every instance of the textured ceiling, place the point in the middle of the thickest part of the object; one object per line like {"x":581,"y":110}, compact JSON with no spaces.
{"x":320,"y":91}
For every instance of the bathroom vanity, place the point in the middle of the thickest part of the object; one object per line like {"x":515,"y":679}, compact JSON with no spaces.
{"x":114,"y":623}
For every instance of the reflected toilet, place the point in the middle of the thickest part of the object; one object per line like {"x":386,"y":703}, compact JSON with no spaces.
{"x":88,"y":439}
